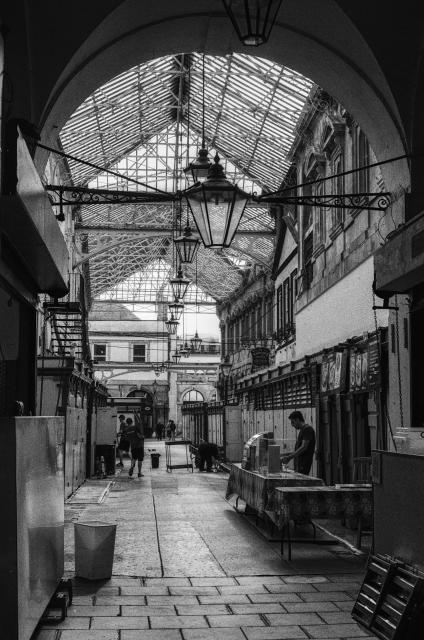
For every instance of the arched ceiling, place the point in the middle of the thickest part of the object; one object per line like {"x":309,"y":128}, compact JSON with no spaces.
{"x":147,"y":124}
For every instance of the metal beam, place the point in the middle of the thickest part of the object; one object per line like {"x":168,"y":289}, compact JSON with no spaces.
{"x":154,"y":301}
{"x":154,"y":231}
{"x":136,"y":366}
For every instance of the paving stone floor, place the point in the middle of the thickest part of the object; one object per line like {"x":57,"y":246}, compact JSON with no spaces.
{"x":187,"y":566}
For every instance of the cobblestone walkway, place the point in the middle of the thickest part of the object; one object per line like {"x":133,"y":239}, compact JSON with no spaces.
{"x":188,"y":567}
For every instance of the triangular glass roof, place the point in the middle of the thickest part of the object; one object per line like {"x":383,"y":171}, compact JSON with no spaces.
{"x":147,"y":124}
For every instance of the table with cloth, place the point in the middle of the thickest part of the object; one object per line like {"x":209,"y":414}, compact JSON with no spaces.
{"x":302,"y":504}
{"x":257,"y":490}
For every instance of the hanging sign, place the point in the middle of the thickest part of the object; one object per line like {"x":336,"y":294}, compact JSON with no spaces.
{"x":260,"y":358}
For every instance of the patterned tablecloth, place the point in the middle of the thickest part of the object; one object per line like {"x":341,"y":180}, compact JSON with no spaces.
{"x":258,"y":490}
{"x":306,"y":503}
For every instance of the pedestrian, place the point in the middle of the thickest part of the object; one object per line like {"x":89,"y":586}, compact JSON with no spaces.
{"x":159,"y":430}
{"x":123,"y":442}
{"x":171,"y":429}
{"x":135,"y":434}
{"x":305,"y":444}
{"x":207,"y":453}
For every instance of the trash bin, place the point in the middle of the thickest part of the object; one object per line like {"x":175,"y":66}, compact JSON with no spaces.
{"x":107,"y":451}
{"x":155,"y":460}
{"x":94,"y":549}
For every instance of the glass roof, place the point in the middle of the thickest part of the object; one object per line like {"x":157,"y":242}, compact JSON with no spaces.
{"x":147,"y":124}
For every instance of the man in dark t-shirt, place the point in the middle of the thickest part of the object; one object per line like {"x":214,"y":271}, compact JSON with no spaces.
{"x":305,"y":444}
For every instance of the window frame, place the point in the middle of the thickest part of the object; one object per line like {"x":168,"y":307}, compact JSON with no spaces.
{"x":133,"y":347}
{"x":96,"y":356}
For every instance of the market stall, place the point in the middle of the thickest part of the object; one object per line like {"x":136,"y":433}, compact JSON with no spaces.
{"x":257,"y":489}
{"x":303,"y":504}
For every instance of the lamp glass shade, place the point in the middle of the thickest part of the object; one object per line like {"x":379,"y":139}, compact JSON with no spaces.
{"x":196,"y":342}
{"x":252,"y":19}
{"x":225,"y":366}
{"x":176,"y":309}
{"x":186,"y":246}
{"x":185,"y":350}
{"x":197,"y":171}
{"x":217,"y":206}
{"x":179,"y":285}
{"x":172,"y":325}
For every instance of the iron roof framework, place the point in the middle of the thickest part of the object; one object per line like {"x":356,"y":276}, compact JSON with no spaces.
{"x":146,"y":125}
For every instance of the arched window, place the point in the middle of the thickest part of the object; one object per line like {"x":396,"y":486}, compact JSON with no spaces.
{"x":320,"y":227}
{"x":193,"y":396}
{"x":338,"y":188}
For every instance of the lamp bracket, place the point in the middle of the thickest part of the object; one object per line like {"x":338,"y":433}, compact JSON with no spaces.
{"x":361,"y":201}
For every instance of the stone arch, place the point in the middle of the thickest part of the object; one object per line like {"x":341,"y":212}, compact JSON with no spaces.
{"x":329,"y":50}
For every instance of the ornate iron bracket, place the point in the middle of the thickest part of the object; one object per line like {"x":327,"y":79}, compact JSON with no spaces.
{"x":87,"y":196}
{"x":360,"y":201}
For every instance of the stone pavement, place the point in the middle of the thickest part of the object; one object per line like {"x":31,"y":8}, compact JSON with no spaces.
{"x":188,"y":567}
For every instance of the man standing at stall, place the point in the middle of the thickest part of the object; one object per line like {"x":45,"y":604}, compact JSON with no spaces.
{"x":305,"y":444}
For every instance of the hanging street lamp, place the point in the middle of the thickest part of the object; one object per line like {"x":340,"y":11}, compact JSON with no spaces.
{"x":179,"y":284}
{"x":196,"y":342}
{"x":176,"y":357}
{"x":172,"y":325}
{"x":217,"y":206}
{"x":175,"y":309}
{"x":197,"y":170}
{"x":252,"y":19}
{"x":225,"y":366}
{"x":186,"y":245}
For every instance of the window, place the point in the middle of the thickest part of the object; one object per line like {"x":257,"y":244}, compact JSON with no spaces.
{"x":308,"y":247}
{"x":269,"y":318}
{"x":361,"y":158}
{"x":320,"y":224}
{"x":287,"y":302}
{"x":307,"y":210}
{"x":99,"y":352}
{"x":193,"y":396}
{"x":338,"y":188}
{"x":279,"y":308}
{"x":293,"y":293}
{"x":139,"y":353}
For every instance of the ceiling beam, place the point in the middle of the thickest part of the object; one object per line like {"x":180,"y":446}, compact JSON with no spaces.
{"x":155,"y":231}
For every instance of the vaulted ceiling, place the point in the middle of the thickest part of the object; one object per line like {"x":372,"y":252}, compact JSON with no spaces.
{"x":146,"y":125}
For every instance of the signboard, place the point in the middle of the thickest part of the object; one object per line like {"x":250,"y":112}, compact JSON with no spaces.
{"x":260,"y":358}
{"x":333,"y":372}
{"x":359,"y":371}
{"x":373,"y":362}
{"x":324,"y":376}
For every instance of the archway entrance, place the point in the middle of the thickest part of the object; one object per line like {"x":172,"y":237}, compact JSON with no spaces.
{"x":329,"y":50}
